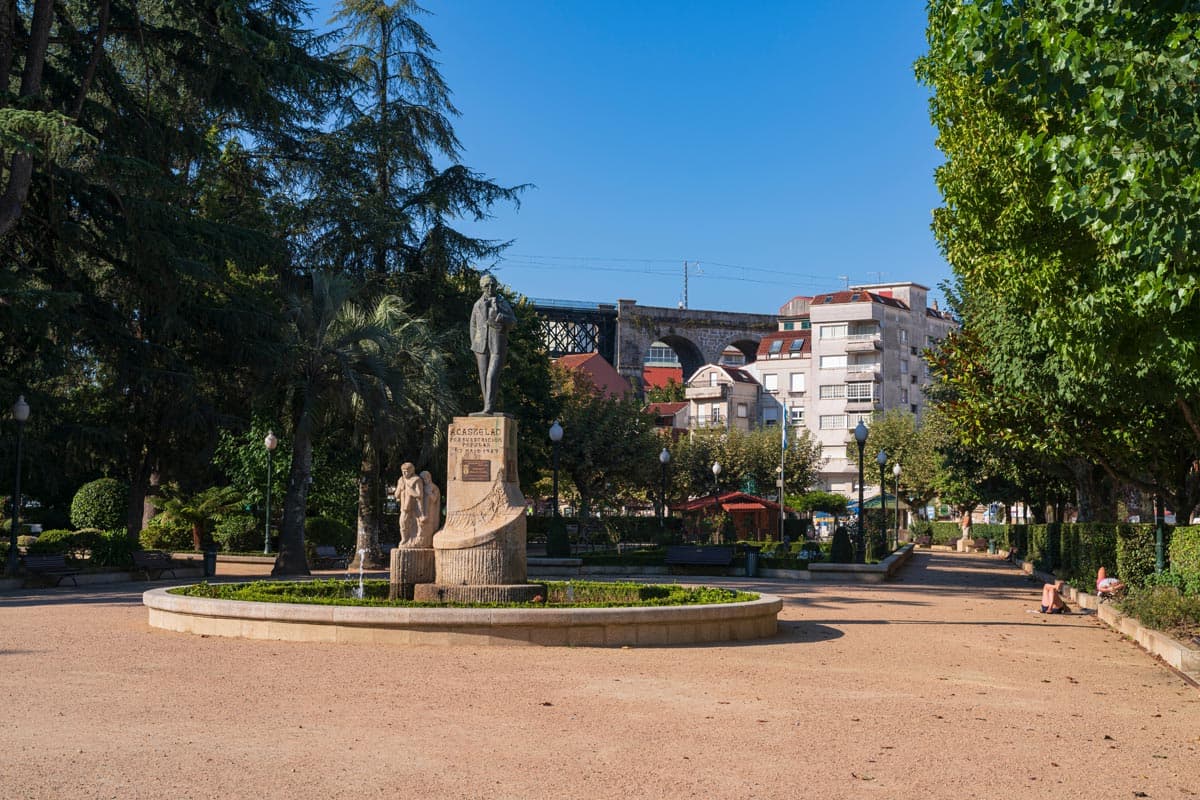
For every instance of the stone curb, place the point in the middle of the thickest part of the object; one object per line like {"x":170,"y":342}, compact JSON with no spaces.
{"x":657,"y":625}
{"x":1177,"y":654}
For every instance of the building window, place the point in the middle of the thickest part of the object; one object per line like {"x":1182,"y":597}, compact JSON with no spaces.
{"x":832,"y":391}
{"x":904,"y":396}
{"x":661,"y":354}
{"x":864,"y":390}
{"x":834,"y":331}
{"x":715,"y":412}
{"x":741,"y":410}
{"x":833,"y":422}
{"x":770,"y":414}
{"x":797,"y":413}
{"x":914,"y":408}
{"x":854,"y":419}
{"x":771,"y":382}
{"x":776,"y":347}
{"x":796,"y":346}
{"x":833,"y":362}
{"x":712,"y":378}
{"x":903,"y":336}
{"x":789,"y":326}
{"x":805,"y":324}
{"x":904,"y":366}
{"x":797,"y":381}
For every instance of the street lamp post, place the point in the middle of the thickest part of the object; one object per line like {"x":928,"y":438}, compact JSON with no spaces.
{"x":556,"y":434}
{"x":716,"y":471}
{"x":664,"y":458}
{"x":860,"y":437}
{"x":896,"y":475}
{"x":881,"y":460}
{"x":20,"y":412}
{"x":271,"y":442}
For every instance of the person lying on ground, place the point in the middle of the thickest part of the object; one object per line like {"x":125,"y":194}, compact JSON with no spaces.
{"x":1052,"y":600}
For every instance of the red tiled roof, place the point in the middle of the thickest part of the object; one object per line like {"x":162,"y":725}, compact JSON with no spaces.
{"x":739,"y":375}
{"x":787,"y":337}
{"x":861,"y":296}
{"x":666,"y":409}
{"x":602,"y":374}
{"x":657,"y":377}
{"x":730,"y":501}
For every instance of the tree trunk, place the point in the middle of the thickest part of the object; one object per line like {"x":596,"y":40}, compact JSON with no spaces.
{"x":291,"y":559}
{"x":139,"y":476}
{"x":197,"y":537}
{"x":366,"y":541}
{"x":20,"y":169}
{"x":1095,"y":501}
{"x":148,"y":509}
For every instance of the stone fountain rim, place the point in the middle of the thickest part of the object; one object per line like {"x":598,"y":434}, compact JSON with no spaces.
{"x":603,"y":626}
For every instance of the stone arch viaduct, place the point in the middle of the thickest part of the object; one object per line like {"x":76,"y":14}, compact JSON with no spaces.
{"x":697,"y":337}
{"x":623,"y":333}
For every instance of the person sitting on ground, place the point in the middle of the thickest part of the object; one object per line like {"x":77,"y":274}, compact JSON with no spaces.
{"x":1106,"y":586}
{"x":1052,"y":600}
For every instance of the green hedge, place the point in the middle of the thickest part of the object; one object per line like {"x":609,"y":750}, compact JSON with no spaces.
{"x":1185,"y":556}
{"x":945,"y":532}
{"x":327,"y":531}
{"x":1136,"y":556}
{"x":1044,"y":546}
{"x":1075,"y":551}
{"x":615,"y":529}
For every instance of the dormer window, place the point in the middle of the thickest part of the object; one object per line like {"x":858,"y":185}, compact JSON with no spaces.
{"x":796,"y":346}
{"x":776,"y":347}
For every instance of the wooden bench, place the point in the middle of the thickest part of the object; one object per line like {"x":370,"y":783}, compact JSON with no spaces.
{"x":154,"y":563}
{"x":50,"y":566}
{"x":328,"y":557}
{"x":980,"y":544}
{"x":695,"y":556}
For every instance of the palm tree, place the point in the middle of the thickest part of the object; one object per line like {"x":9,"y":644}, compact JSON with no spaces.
{"x":350,"y":359}
{"x":199,"y":509}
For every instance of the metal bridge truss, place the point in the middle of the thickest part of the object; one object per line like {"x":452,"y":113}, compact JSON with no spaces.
{"x":569,"y":327}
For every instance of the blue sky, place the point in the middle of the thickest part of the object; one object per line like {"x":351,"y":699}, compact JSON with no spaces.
{"x":774,"y":146}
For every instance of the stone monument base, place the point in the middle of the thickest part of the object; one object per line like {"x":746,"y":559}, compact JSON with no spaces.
{"x":457,"y":593}
{"x":410,"y":566}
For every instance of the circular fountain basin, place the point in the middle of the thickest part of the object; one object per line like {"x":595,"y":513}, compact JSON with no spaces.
{"x":599,"y":627}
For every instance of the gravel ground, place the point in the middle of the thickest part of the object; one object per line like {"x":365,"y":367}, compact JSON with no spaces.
{"x":939,"y":685}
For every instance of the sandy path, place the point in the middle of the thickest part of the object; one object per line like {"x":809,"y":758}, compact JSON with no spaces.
{"x":939,"y":685}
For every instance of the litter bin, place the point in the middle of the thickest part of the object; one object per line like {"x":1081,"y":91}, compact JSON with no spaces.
{"x":751,"y":562}
{"x":210,"y":563}
{"x":992,"y":546}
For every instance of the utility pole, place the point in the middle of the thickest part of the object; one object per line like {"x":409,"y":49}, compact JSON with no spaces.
{"x":685,"y":279}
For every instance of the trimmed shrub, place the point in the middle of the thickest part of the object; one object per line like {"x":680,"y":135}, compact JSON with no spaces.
{"x":99,"y":504}
{"x":1044,"y":545}
{"x":238,"y":533}
{"x":55,"y":542}
{"x":326,"y":531}
{"x":1163,"y":606}
{"x":997,"y":532}
{"x":1185,"y":557}
{"x":25,"y":541}
{"x":1018,"y":539}
{"x":842,"y":549}
{"x":111,"y":549}
{"x":945,"y":532}
{"x":1136,"y":558}
{"x":166,"y":533}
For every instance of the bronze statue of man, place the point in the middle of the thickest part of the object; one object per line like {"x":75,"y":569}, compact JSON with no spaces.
{"x":491,"y":319}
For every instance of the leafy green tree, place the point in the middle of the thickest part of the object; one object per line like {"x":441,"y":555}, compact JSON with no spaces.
{"x":1071,"y":223}
{"x":672,"y":391}
{"x":609,"y":444}
{"x":752,"y":456}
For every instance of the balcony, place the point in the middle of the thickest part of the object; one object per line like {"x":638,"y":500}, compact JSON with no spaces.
{"x":717,"y":421}
{"x":719,"y":392}
{"x":862,"y":403}
{"x":863,"y":342}
{"x":863,"y":369}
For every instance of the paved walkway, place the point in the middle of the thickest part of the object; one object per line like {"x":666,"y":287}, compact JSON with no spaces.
{"x":940,"y":685}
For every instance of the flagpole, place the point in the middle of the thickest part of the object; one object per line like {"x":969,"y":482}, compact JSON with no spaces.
{"x":782,"y":455}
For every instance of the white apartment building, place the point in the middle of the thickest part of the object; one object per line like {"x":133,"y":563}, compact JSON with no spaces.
{"x":723,"y":397}
{"x":844,"y":356}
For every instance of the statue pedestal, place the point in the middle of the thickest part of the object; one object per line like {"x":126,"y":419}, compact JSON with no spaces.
{"x":479,"y":553}
{"x":410,"y":566}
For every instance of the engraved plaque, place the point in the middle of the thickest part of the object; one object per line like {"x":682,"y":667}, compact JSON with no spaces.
{"x":476,"y":469}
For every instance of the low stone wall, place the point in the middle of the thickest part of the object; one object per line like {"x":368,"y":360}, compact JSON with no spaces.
{"x":863,"y":573}
{"x":603,"y":627}
{"x":1180,"y":655}
{"x":94,"y":578}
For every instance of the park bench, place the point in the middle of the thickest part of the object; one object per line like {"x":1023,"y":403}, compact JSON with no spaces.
{"x":154,"y":563}
{"x":980,"y":544}
{"x":696,"y":556}
{"x":328,"y":557}
{"x":924,"y":540}
{"x":50,"y":566}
